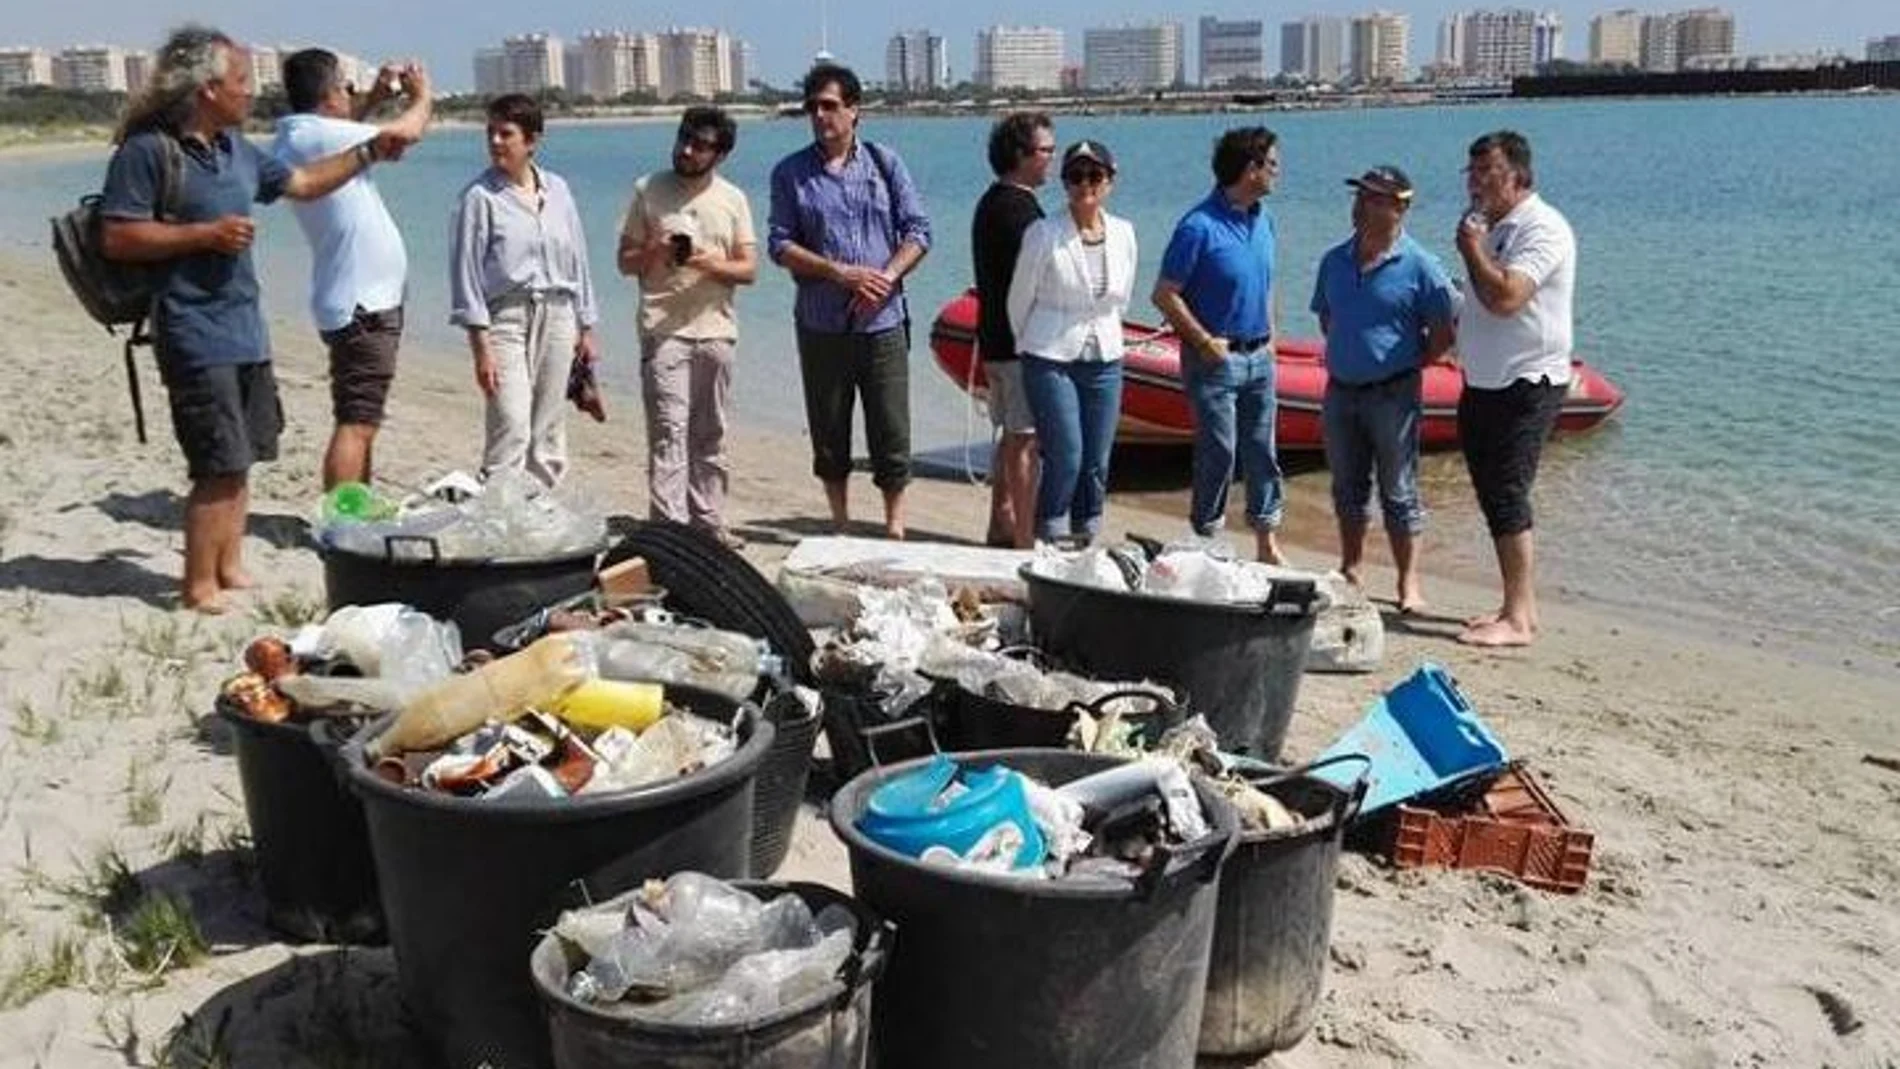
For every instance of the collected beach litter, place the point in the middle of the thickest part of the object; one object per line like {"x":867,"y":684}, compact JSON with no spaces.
{"x":543,"y":724}
{"x":694,"y":950}
{"x":458,"y":518}
{"x":361,"y":659}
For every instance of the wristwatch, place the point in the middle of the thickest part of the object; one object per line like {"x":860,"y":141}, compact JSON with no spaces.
{"x":366,"y":154}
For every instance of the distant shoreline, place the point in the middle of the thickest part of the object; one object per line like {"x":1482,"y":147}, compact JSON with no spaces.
{"x":63,"y":141}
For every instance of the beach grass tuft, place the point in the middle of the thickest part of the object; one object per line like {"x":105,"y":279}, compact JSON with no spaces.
{"x":31,"y":725}
{"x":161,"y":934}
{"x":62,"y":963}
{"x":144,"y":795}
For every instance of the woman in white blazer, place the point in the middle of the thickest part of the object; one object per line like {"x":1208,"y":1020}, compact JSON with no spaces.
{"x":1066,"y":300}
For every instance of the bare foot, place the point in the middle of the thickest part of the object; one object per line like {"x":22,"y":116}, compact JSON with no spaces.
{"x":1412,"y":604}
{"x":895,"y":534}
{"x":238,"y":580}
{"x":1498,"y":633}
{"x":1351,"y":575}
{"x":212,"y":604}
{"x":1485,"y":619}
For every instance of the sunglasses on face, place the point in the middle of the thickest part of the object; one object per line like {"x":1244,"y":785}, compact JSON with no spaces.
{"x":826,"y":105}
{"x":698,"y":144}
{"x":1091,"y":176}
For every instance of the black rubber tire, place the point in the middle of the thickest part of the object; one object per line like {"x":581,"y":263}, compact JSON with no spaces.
{"x":705,"y":579}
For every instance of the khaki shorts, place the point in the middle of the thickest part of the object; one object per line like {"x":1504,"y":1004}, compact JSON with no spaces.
{"x":1008,"y":403}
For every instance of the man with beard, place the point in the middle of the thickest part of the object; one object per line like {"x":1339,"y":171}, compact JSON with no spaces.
{"x":688,"y":240}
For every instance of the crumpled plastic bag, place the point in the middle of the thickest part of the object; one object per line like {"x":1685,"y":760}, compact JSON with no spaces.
{"x":724,"y":662}
{"x":1094,"y":566}
{"x":698,"y":950}
{"x":677,"y":744}
{"x":513,"y":516}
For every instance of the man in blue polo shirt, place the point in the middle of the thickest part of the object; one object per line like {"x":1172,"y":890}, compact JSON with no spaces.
{"x":213,"y":351}
{"x":1385,"y":306}
{"x":1216,"y":290}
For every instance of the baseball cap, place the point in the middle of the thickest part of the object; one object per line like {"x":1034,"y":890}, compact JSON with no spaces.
{"x":1089,"y":152}
{"x":1384,"y":179}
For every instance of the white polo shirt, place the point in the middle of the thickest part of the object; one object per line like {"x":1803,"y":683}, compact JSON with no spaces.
{"x":1535,"y":241}
{"x":359,"y":259}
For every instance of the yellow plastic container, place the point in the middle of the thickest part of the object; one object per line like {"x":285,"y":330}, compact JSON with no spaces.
{"x":607,"y":703}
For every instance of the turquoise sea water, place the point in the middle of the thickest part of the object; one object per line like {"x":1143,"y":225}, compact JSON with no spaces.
{"x":1739,"y":278}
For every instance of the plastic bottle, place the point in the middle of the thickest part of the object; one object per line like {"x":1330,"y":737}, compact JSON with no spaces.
{"x":608,"y":703}
{"x":501,"y":690}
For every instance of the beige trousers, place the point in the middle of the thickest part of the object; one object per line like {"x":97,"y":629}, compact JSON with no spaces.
{"x":533,"y":343}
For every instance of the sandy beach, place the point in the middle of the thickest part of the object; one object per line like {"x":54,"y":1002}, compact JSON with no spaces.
{"x":1742,"y":908}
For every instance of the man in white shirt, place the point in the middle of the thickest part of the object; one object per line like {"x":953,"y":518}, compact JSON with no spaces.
{"x":357,"y":279}
{"x":1514,"y":341}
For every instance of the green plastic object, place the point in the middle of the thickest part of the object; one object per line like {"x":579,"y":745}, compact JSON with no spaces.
{"x":354,"y":501}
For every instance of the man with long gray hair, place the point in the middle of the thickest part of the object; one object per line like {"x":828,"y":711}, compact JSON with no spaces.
{"x":178,"y":197}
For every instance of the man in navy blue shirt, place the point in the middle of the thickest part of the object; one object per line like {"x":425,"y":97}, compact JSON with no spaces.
{"x":1385,"y":306}
{"x":1216,"y":290}
{"x":213,"y":351}
{"x":847,"y":222}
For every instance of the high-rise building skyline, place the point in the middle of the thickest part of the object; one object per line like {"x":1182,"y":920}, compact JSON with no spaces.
{"x":1702,"y":34}
{"x":695,"y":62}
{"x":90,"y":69}
{"x":916,"y":61}
{"x":1133,"y":57}
{"x":1616,"y":37}
{"x":532,"y":63}
{"x":1381,"y":47}
{"x":1019,"y":57}
{"x":1547,"y":41}
{"x":1494,"y":45}
{"x":1884,"y":49}
{"x":21,"y":67}
{"x":607,"y":65}
{"x":1658,"y":49}
{"x":1314,"y":48}
{"x":1231,"y":51}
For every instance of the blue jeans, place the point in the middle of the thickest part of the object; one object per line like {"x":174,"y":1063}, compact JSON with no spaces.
{"x":1077,"y":404}
{"x":1375,"y":429}
{"x":1233,"y":407}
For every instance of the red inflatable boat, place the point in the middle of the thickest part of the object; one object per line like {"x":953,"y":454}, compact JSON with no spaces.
{"x":1155,"y":410}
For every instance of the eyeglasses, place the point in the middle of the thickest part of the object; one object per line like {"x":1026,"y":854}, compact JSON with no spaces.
{"x":698,"y":144}
{"x":1091,"y":176}
{"x":826,"y":105}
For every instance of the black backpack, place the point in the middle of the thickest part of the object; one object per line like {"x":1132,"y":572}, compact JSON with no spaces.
{"x":117,"y":294}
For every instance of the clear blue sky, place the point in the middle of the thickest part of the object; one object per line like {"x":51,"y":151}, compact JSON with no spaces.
{"x":445,"y":34}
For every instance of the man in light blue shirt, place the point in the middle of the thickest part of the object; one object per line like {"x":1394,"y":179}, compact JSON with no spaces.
{"x":1385,"y":306}
{"x":360,"y":266}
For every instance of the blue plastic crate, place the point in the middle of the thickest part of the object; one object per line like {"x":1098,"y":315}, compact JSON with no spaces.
{"x":1421,"y":736}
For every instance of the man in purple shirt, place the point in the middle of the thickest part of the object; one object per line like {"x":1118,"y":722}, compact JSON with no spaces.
{"x":847,"y":222}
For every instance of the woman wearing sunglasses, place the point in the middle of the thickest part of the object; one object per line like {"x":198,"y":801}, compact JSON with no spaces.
{"x":1072,"y":284}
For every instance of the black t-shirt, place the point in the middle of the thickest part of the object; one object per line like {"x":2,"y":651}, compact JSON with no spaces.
{"x":996,"y":236}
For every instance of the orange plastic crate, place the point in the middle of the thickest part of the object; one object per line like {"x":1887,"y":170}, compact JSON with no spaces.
{"x":1515,"y":828}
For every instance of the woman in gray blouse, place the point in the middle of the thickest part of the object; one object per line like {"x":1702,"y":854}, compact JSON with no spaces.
{"x":519,"y":284}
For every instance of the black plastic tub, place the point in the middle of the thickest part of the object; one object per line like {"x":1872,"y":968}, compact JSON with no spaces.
{"x":312,"y":845}
{"x":827,"y":1029}
{"x":1001,"y":972}
{"x":1276,"y":919}
{"x":481,"y":595}
{"x":466,"y":884}
{"x":968,"y":720}
{"x":1238,"y":665}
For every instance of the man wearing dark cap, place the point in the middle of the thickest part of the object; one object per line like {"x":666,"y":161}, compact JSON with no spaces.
{"x":1216,"y":290}
{"x":1386,"y":307}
